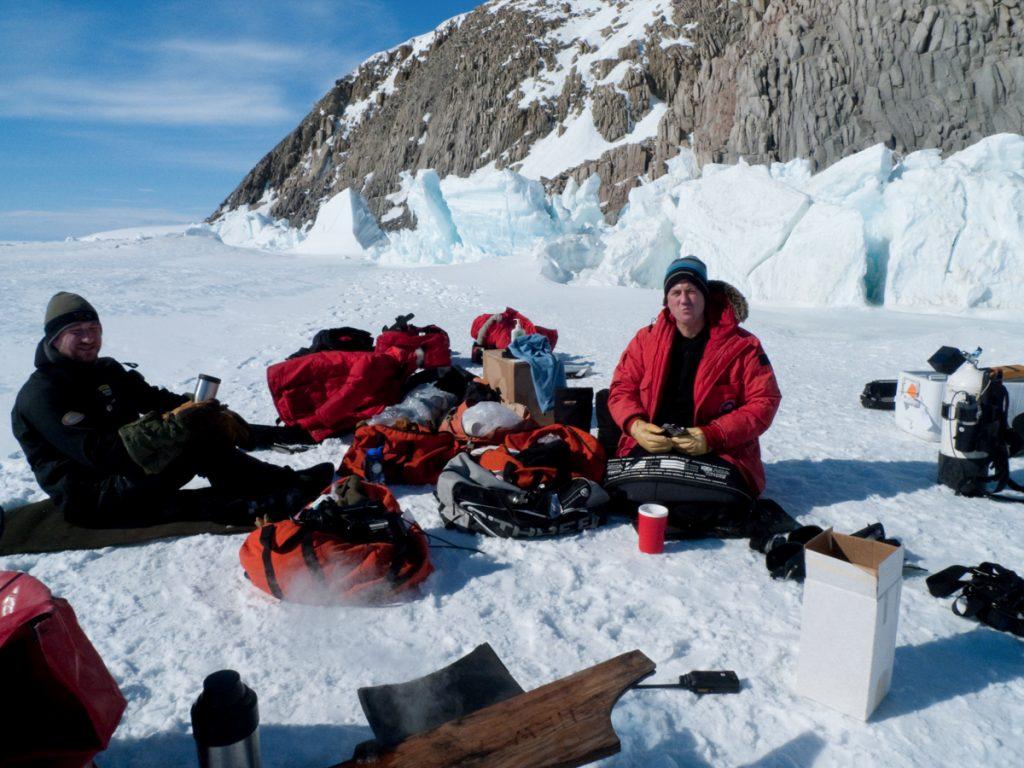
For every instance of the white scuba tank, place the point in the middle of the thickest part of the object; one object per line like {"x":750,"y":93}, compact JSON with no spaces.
{"x":960,"y":408}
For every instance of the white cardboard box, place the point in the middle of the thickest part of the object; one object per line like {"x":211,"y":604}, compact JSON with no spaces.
{"x":851,"y":608}
{"x":919,"y":403}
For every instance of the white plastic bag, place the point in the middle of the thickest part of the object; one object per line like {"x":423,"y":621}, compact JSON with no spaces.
{"x":425,"y":405}
{"x":486,"y":418}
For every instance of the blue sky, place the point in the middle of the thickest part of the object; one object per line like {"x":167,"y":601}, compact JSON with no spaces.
{"x":133,"y":113}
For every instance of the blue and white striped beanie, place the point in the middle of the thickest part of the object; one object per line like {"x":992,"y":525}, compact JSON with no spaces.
{"x":687,"y":268}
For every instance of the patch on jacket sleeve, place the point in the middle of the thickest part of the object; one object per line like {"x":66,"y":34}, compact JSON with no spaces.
{"x":71,"y":418}
{"x":763,"y":359}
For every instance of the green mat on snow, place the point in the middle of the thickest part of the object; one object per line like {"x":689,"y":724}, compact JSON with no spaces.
{"x":39,"y":527}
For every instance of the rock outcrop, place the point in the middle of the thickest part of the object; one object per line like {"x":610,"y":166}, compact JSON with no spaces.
{"x":764,"y":80}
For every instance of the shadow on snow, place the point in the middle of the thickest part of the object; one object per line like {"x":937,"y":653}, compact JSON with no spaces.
{"x":950,"y":667}
{"x":801,"y":485}
{"x":280,"y":745}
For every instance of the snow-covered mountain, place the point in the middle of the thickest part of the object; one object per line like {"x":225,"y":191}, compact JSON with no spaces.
{"x":560,"y":90}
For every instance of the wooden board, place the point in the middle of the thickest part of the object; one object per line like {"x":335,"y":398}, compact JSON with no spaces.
{"x":563,"y":724}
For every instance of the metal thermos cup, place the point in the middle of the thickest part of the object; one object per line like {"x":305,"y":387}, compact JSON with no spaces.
{"x":225,"y":723}
{"x":206,"y":388}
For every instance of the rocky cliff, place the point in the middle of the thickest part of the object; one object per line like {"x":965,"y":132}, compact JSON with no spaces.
{"x":615,"y":87}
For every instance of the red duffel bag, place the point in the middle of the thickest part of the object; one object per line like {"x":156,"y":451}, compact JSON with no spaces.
{"x":429,"y":345}
{"x":59,"y":705}
{"x":412,"y":456}
{"x":327,"y":393}
{"x":494,"y":331}
{"x":547,"y":455}
{"x":347,"y":553}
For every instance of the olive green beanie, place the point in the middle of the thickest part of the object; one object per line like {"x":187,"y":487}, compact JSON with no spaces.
{"x":65,"y":309}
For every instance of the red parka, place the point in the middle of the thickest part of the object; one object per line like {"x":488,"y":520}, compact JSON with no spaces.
{"x":735,"y":395}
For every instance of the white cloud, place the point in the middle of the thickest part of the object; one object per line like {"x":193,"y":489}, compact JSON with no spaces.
{"x":165,"y":101}
{"x":238,"y":51}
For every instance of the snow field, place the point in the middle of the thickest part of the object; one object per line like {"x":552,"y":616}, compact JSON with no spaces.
{"x":166,"y":614}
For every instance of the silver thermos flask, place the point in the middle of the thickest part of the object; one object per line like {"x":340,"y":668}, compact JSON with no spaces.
{"x":206,"y":388}
{"x":225,"y":723}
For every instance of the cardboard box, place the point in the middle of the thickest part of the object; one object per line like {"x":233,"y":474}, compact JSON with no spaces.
{"x":512,"y":378}
{"x":919,"y":403}
{"x":850,"y":612}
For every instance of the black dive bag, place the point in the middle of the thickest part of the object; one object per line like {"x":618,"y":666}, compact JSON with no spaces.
{"x":879,"y":395}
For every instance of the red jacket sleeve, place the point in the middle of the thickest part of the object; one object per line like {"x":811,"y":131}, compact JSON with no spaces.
{"x":624,"y":402}
{"x":761,"y":398}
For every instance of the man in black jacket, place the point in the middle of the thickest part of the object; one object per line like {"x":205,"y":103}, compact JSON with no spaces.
{"x":77,"y":419}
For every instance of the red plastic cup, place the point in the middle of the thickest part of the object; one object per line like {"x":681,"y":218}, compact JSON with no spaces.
{"x":651,"y":521}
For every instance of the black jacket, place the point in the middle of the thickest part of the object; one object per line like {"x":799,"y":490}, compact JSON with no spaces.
{"x":66,"y":418}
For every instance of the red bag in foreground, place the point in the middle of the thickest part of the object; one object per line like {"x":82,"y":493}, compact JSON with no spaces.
{"x":302,"y":564}
{"x":494,"y":331}
{"x":59,"y":706}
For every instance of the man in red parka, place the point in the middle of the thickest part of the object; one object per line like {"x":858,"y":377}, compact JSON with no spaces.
{"x":694,"y":367}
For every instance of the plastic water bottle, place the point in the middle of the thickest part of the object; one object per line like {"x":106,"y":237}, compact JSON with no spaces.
{"x":518,"y":330}
{"x":373,"y":468}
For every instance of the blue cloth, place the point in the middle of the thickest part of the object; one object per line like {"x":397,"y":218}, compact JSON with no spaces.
{"x":547,"y":371}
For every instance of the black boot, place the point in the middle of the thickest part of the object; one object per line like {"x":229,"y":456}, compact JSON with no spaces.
{"x":294,"y":490}
{"x":314,"y":480}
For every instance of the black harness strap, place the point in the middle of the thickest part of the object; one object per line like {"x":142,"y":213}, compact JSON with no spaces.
{"x":267,"y":542}
{"x":309,"y":556}
{"x":993,"y":595}
{"x":1001,"y":459}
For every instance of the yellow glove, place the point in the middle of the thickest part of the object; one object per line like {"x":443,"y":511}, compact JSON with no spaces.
{"x":650,"y":437}
{"x":209,"y":420}
{"x":236,"y":428}
{"x":693,"y":443}
{"x":191,"y":412}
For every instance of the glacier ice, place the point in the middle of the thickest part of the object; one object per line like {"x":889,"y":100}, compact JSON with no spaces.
{"x":735,"y":218}
{"x":499,"y":212}
{"x":255,"y":228}
{"x":922,"y":233}
{"x":344,"y":225}
{"x":956,"y":228}
{"x":919,"y":232}
{"x":578,"y":208}
{"x":826,"y":250}
{"x":435,"y":240}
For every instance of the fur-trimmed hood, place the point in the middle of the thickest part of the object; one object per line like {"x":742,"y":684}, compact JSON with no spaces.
{"x":735,"y":299}
{"x":725,"y":308}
